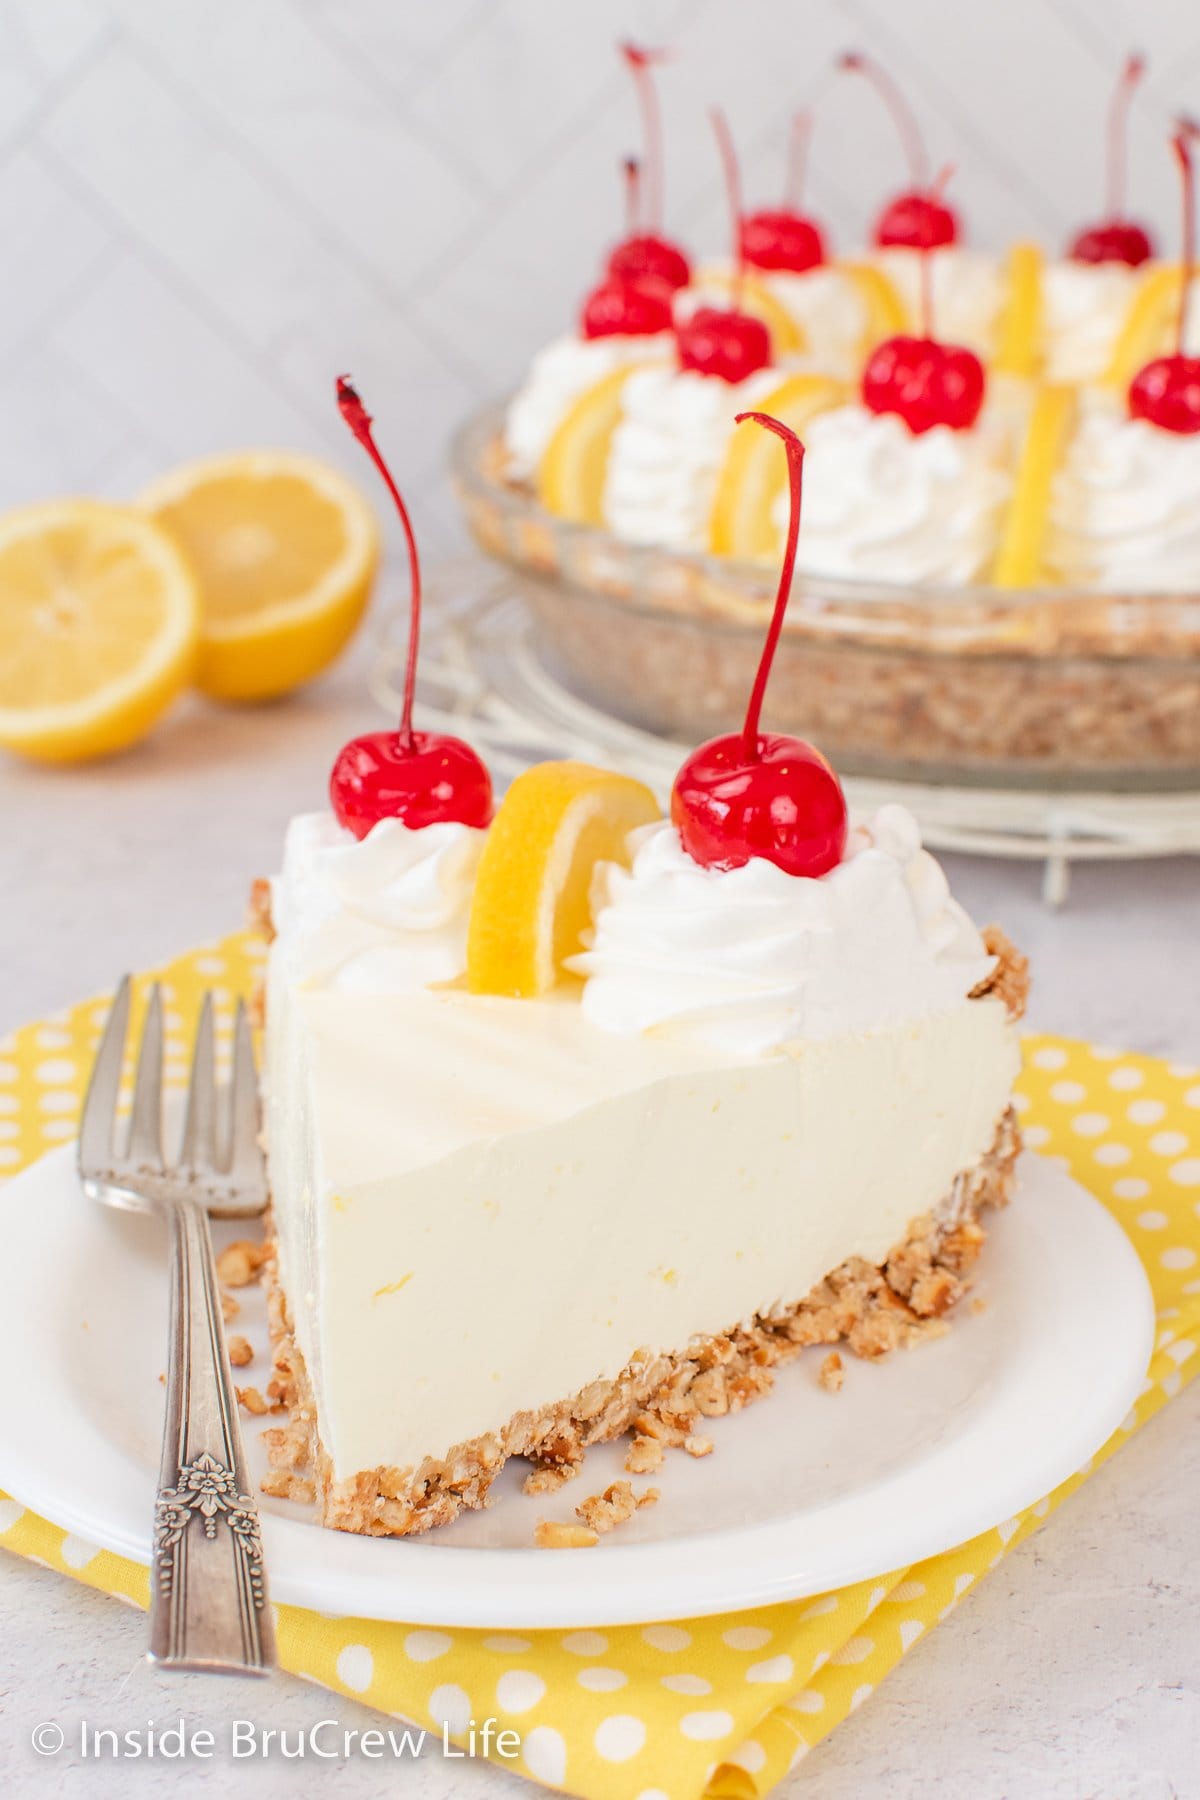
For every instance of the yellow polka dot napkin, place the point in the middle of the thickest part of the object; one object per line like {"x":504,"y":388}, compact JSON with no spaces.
{"x":721,"y":1706}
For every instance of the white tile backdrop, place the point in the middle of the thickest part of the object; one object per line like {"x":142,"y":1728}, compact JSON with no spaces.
{"x":207,"y":210}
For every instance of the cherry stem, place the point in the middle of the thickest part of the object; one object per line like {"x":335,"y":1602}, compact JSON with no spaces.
{"x":926,"y":254}
{"x":633,"y":196}
{"x":640,"y":62}
{"x":1181,"y":143}
{"x":1118,"y":132}
{"x":798,"y":149}
{"x":733,"y":193}
{"x":359,"y":420}
{"x":903,"y":117}
{"x":795,"y":458}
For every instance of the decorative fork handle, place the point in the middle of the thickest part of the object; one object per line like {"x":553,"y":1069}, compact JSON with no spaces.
{"x":208,"y":1590}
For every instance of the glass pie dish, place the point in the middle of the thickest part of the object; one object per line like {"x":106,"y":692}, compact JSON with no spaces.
{"x":1051,"y":686}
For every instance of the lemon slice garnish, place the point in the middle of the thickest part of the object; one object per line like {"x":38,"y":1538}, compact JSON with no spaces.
{"x":571,"y":474}
{"x":1148,"y":325}
{"x":532,"y":898}
{"x":1020,"y":561}
{"x":1019,"y":332}
{"x":754,"y":475}
{"x":787,"y":334}
{"x":285,"y":550}
{"x":99,"y":621}
{"x":887,"y":315}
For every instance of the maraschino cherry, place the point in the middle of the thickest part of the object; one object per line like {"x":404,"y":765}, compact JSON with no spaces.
{"x":647,"y":252}
{"x":918,"y":219}
{"x":420,"y":777}
{"x":759,"y":794}
{"x":783,"y":237}
{"x":926,"y":383}
{"x":724,"y":341}
{"x":1117,"y":239}
{"x":1166,"y":392}
{"x":623,"y":305}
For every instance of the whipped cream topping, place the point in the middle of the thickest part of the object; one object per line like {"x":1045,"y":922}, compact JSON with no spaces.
{"x":1124,"y":515}
{"x":825,"y":302}
{"x":667,"y":452}
{"x":386,"y":914}
{"x":752,"y":959}
{"x":968,"y":292}
{"x":882,"y":504}
{"x":1084,"y":306}
{"x":558,"y":375}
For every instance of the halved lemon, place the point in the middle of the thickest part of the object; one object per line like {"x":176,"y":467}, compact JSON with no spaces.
{"x":1020,"y":561}
{"x":99,"y":623}
{"x":285,"y":550}
{"x":887,"y":315}
{"x":787,"y":334}
{"x":755,"y":473}
{"x":571,"y":474}
{"x":532,"y":898}
{"x":1148,"y":325}
{"x":1019,"y":333}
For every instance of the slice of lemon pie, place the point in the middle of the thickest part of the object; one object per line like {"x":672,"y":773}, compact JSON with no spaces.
{"x":581,"y":1119}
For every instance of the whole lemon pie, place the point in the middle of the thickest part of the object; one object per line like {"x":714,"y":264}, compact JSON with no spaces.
{"x":582,"y":1118}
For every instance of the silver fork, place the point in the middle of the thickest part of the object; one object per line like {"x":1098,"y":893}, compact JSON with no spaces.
{"x":208,"y":1589}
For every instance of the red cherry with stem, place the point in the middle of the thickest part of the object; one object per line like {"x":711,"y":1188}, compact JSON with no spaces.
{"x":420,"y":777}
{"x":628,"y":306}
{"x":783,"y":237}
{"x":1166,"y":392}
{"x":1117,"y":239}
{"x":917,"y":219}
{"x":760,"y":794}
{"x":721,"y":341}
{"x":646,"y":252}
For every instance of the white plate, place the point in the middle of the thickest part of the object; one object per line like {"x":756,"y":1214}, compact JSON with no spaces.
{"x":805,"y":1491}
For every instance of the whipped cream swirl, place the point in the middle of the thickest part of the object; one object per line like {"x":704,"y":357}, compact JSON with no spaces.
{"x":752,"y":959}
{"x":667,"y":452}
{"x":968,"y":292}
{"x":882,"y":504}
{"x":1124,"y":515}
{"x":384,"y":914}
{"x":558,"y":375}
{"x":1084,"y":306}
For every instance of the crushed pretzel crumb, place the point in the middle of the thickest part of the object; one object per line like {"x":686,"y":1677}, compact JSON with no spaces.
{"x":698,"y":1446}
{"x":230,"y":1308}
{"x":553,"y":1534}
{"x":645,"y":1456}
{"x":241,"y":1352}
{"x":239,"y":1263}
{"x":831,"y":1373}
{"x":979,"y":1305}
{"x":604,"y":1512}
{"x":549,"y":1478}
{"x":282,"y":1486}
{"x":252,"y":1401}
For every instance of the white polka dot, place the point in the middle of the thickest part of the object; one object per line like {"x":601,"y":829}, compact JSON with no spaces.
{"x":749,"y":1756}
{"x":1035,"y":1135}
{"x":653,"y":1794}
{"x":9,"y":1157}
{"x":775,"y":1668}
{"x":1069,"y":1093}
{"x":746,"y":1637}
{"x":1180,"y":1350}
{"x":807,"y":1701}
{"x":450,"y":1705}
{"x":666,"y":1637}
{"x":601,"y":1681}
{"x":9,"y":1128}
{"x":687,"y":1684}
{"x":545,"y":1755}
{"x":1182,"y":1071}
{"x":619,"y":1737}
{"x":1112,"y":1155}
{"x":963,"y":1582}
{"x":705,"y":1726}
{"x":1192,"y":1097}
{"x":58,"y":1100}
{"x":8,"y":1072}
{"x":1185,"y":1173}
{"x":1146,"y":1112}
{"x":58,"y":1128}
{"x":826,"y":1604}
{"x":76,"y":1552}
{"x":1177,"y":1259}
{"x":1049,"y":1058}
{"x":910,"y":1631}
{"x":908,"y":1590}
{"x":209,"y":965}
{"x":1021,"y":1103}
{"x":56,"y":1069}
{"x":1153,"y":1221}
{"x":1103,"y":1053}
{"x":1126,"y":1078}
{"x":9,"y":1103}
{"x":10,"y":1512}
{"x":585,"y":1643}
{"x":859,"y":1695}
{"x":519,"y":1689}
{"x":1168,"y":1143}
{"x":855,"y":1650}
{"x":356,"y":1667}
{"x":506,"y":1646}
{"x":426,"y":1646}
{"x":1131,"y":1187}
{"x":1090,"y":1124}
{"x":49,"y":1039}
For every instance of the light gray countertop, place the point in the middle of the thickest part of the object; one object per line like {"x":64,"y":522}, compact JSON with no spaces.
{"x":1073,"y":1671}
